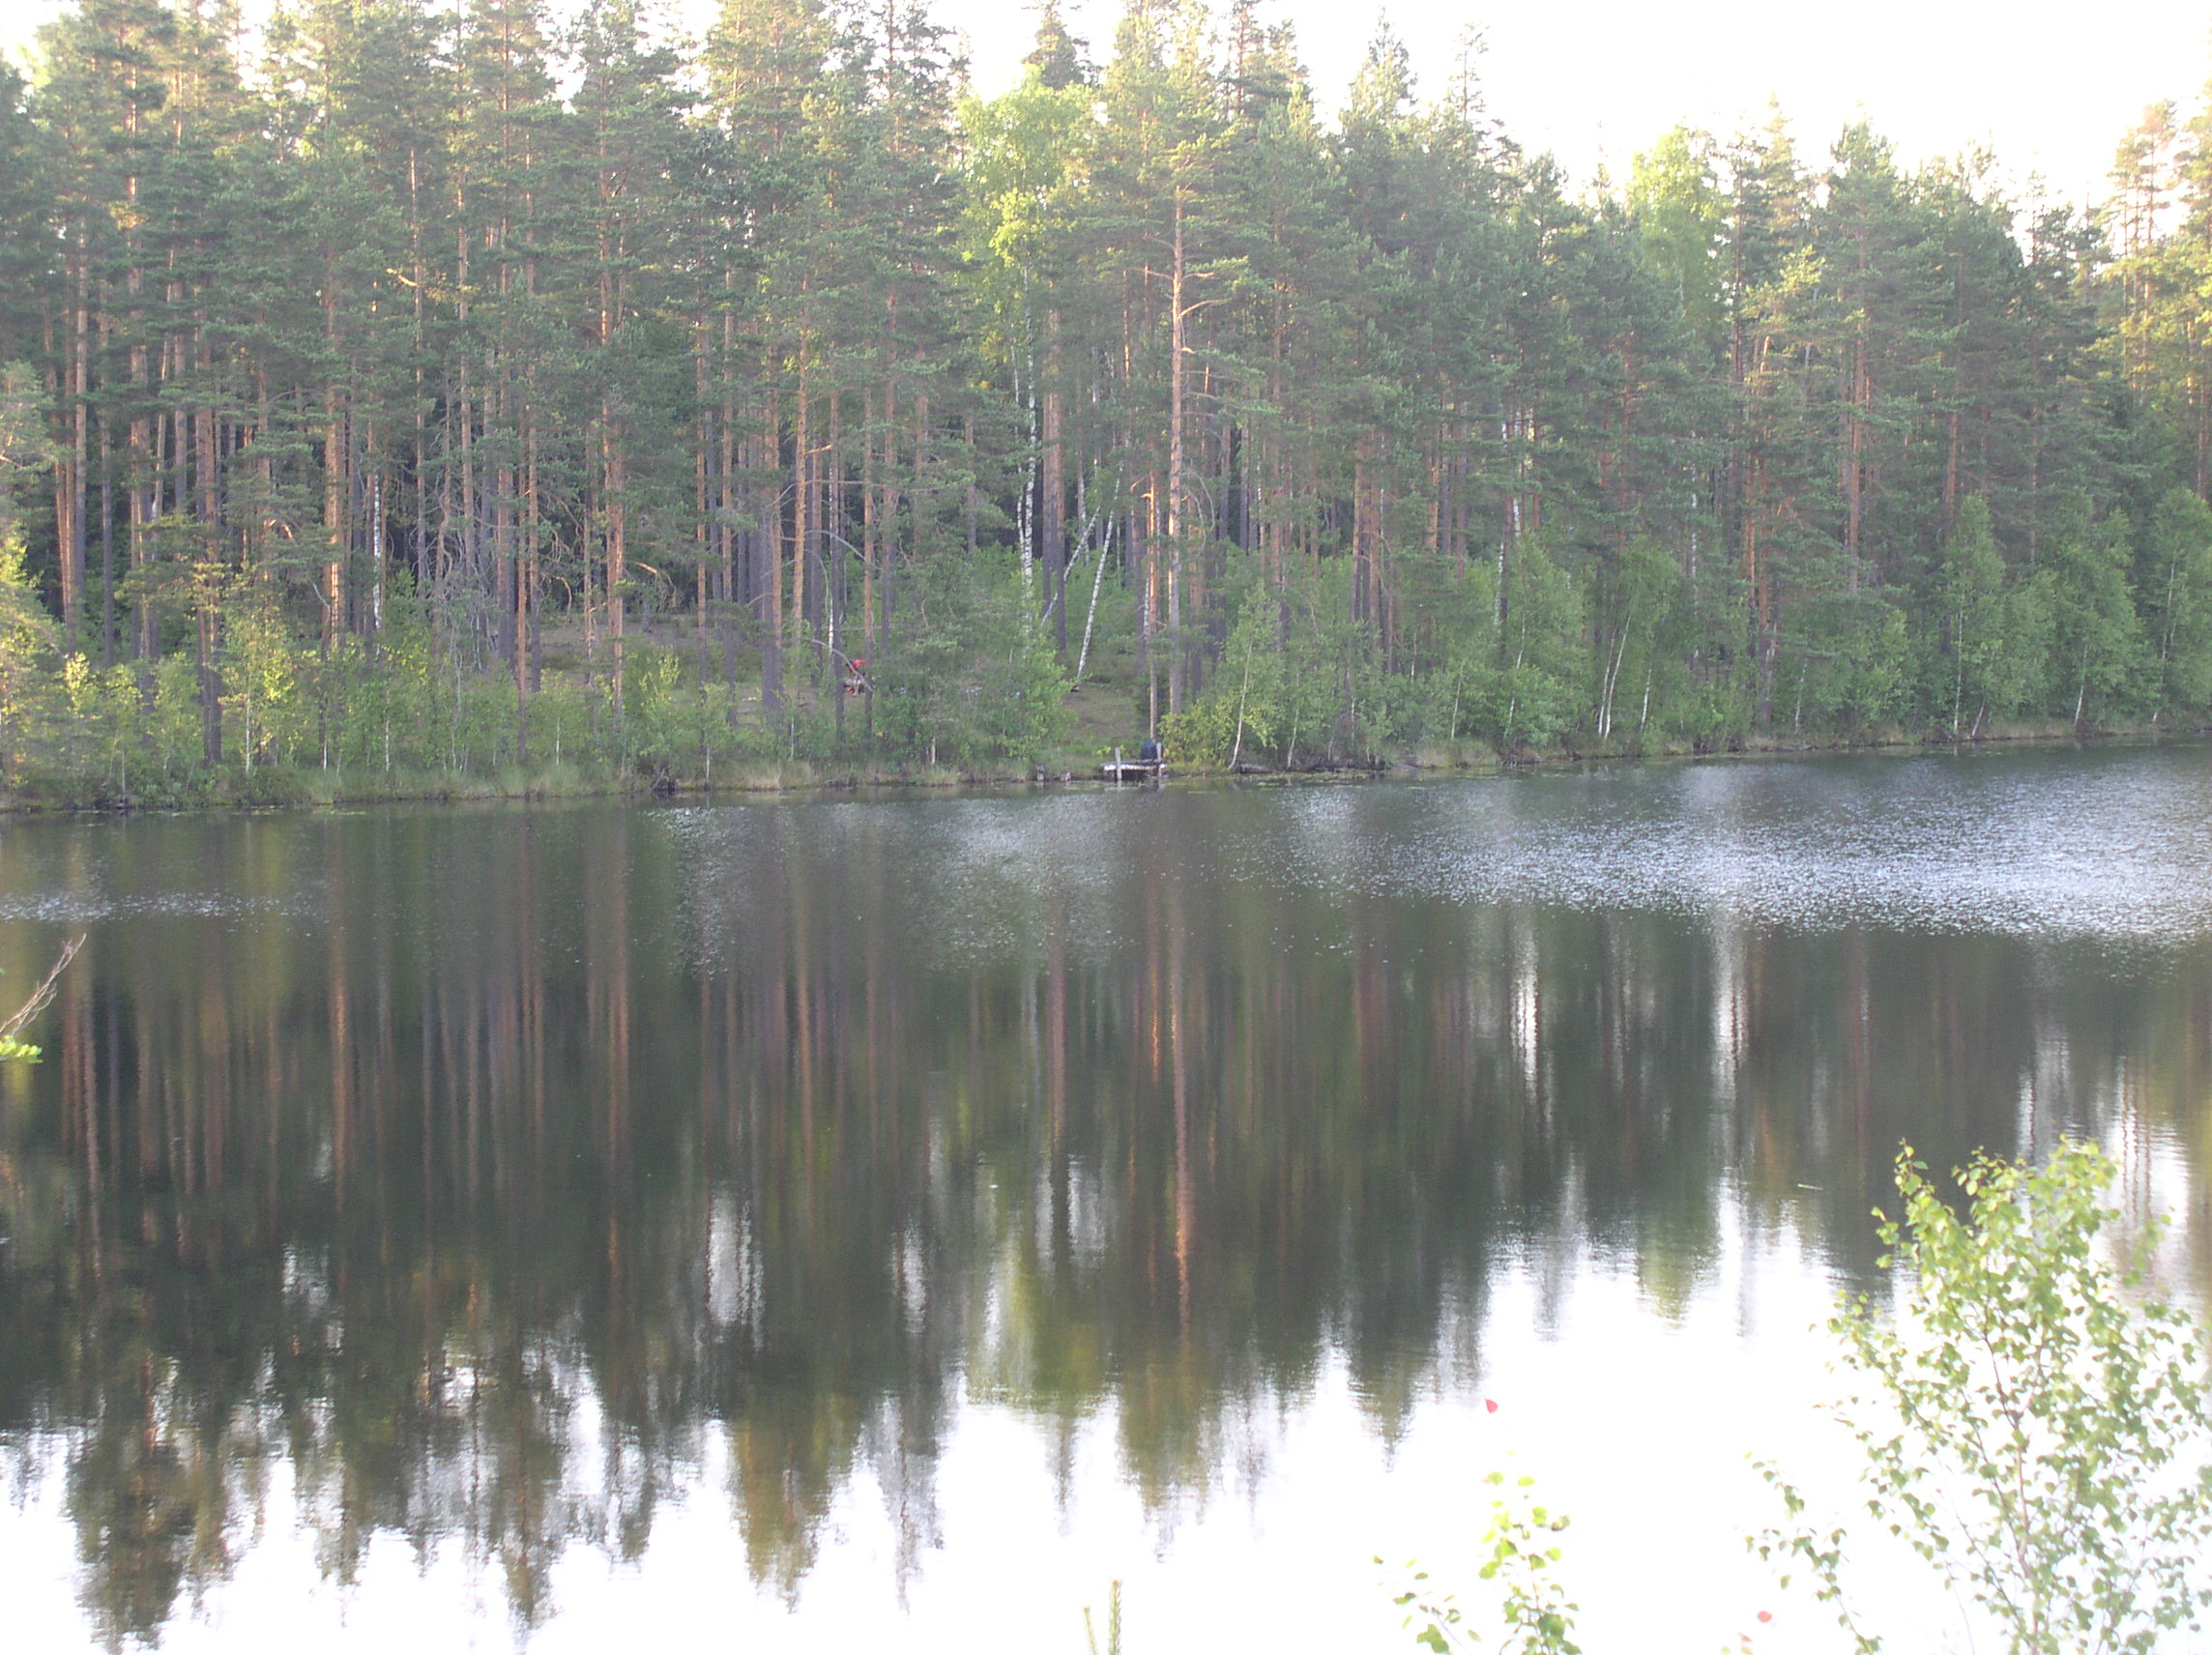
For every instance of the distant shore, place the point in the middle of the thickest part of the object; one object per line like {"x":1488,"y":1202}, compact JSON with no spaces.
{"x":276,"y":788}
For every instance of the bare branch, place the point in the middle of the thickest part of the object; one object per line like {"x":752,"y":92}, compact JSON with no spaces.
{"x":44,"y":995}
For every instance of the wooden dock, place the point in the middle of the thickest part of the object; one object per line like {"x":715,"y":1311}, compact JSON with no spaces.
{"x":1117,"y":769}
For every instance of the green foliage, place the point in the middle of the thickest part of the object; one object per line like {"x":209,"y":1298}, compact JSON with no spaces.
{"x":1243,"y":712}
{"x":1327,"y":661}
{"x":969,"y":674}
{"x":1848,"y":654}
{"x":803,"y":343}
{"x":1682,"y":215}
{"x":1972,"y":661}
{"x":1538,"y":690}
{"x":26,"y":643}
{"x":2033,"y":1419}
{"x":264,"y":671}
{"x":24,"y":449}
{"x":1520,"y":1557}
{"x":1644,"y":616}
{"x":2096,"y":638}
{"x":675,"y":728}
{"x":2176,"y":604}
{"x":1024,"y":149}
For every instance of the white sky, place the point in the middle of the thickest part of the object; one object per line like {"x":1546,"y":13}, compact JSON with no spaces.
{"x":1593,"y":80}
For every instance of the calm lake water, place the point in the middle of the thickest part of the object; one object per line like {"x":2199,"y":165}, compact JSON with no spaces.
{"x":879,"y":1223}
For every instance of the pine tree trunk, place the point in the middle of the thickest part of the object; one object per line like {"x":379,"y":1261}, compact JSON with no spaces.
{"x":615,"y":461}
{"x":1052,"y":488}
{"x":1177,"y":316}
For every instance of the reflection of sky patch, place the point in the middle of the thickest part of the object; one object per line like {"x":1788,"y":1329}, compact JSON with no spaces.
{"x":2112,"y":846}
{"x":2119,"y":850}
{"x":978,"y":874}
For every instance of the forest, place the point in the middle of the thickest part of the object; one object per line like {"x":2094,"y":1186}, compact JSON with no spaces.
{"x":510,"y":391}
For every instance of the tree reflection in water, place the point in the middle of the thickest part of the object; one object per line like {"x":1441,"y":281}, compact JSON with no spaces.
{"x":492,"y":1176}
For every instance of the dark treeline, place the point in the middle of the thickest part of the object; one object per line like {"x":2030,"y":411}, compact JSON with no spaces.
{"x":409,"y":386}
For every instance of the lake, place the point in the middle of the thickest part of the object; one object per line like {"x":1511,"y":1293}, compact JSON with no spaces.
{"x":772,"y":1224}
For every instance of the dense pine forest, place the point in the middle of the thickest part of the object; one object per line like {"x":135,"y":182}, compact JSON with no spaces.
{"x":516,"y":391}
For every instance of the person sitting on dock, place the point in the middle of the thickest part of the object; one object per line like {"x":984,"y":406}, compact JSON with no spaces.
{"x":1150,"y":753}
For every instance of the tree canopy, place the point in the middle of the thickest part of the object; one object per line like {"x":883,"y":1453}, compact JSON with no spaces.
{"x":458,"y":387}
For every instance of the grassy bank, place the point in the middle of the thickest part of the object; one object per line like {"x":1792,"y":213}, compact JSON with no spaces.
{"x":285,"y":787}
{"x":266,"y":786}
{"x":1480,"y":758}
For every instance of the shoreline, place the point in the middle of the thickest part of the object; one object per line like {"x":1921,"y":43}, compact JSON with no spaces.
{"x":316,"y":790}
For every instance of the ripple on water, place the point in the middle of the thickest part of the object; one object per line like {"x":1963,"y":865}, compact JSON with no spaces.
{"x":2118,"y":849}
{"x":66,"y":907}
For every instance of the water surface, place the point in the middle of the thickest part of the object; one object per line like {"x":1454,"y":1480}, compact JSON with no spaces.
{"x":890,"y":1220}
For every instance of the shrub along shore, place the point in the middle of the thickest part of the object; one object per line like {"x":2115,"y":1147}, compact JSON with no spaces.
{"x":298,"y":787}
